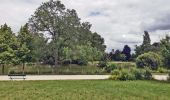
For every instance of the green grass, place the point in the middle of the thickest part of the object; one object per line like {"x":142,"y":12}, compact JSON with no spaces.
{"x":84,"y":90}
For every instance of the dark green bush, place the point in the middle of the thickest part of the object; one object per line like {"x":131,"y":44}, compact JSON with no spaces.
{"x":102,"y":64}
{"x":150,"y":59}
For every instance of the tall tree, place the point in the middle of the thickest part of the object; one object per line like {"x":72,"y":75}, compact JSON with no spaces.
{"x":64,"y":30}
{"x":146,"y":38}
{"x":145,"y":47}
{"x":58,"y":22}
{"x":25,"y":49}
{"x":8,"y":46}
{"x":165,"y":43}
{"x":127,"y":52}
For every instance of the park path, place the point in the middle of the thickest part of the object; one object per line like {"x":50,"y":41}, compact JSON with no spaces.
{"x":160,"y":77}
{"x":60,"y":77}
{"x":73,"y":77}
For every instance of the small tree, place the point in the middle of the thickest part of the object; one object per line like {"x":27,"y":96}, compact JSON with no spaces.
{"x":150,"y":59}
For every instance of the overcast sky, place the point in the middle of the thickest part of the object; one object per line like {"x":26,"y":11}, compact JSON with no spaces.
{"x":120,"y":22}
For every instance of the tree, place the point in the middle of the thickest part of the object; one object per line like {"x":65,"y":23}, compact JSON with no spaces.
{"x":64,"y":30}
{"x":146,"y":39}
{"x":118,"y":56}
{"x":145,"y":47}
{"x":165,"y":43}
{"x":127,"y":52}
{"x":58,"y":22}
{"x":39,"y":45}
{"x":25,"y":49}
{"x":8,"y":46}
{"x":98,"y":42}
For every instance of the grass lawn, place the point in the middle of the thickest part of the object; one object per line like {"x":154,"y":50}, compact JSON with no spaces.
{"x":84,"y":90}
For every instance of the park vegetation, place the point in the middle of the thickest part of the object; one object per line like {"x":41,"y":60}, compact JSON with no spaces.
{"x":56,"y":36}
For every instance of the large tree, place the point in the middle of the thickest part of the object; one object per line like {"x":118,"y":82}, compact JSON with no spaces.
{"x":64,"y":30}
{"x":59,"y":23}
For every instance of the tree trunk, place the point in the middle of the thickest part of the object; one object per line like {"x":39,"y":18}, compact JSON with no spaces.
{"x":3,"y":68}
{"x":23,"y":68}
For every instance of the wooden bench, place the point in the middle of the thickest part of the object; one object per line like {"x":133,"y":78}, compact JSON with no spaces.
{"x":17,"y":76}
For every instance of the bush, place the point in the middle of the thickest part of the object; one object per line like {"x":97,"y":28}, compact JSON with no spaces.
{"x":131,"y":74}
{"x":169,"y":76}
{"x":138,"y":73}
{"x":102,"y":64}
{"x":150,"y":59}
{"x":147,"y":74}
{"x":126,"y":75}
{"x":162,"y":70}
{"x":110,"y":67}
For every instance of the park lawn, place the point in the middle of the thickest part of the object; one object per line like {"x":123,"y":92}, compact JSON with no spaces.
{"x":84,"y":90}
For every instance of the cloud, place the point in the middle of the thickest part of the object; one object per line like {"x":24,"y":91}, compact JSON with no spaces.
{"x":112,"y":19}
{"x":160,"y":23}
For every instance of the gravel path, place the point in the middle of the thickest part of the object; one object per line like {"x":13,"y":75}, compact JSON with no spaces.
{"x":72,"y":77}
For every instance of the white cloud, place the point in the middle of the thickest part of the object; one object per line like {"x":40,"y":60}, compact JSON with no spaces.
{"x":113,"y":19}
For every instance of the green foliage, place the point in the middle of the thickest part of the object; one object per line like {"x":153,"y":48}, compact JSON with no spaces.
{"x":147,"y":74}
{"x":166,"y":51}
{"x":131,"y":74}
{"x":70,"y":39}
{"x":110,"y":67}
{"x":145,"y":47}
{"x":162,"y":70}
{"x":8,"y":45}
{"x":169,"y":76}
{"x":102,"y":64}
{"x":24,"y":52}
{"x":150,"y":59}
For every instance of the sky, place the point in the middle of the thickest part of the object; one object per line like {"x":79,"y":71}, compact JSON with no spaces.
{"x":119,"y":22}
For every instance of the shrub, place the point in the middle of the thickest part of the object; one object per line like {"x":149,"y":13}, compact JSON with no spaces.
{"x":131,"y":74}
{"x":126,"y":75}
{"x":110,"y":67}
{"x":102,"y":64}
{"x":138,"y":73}
{"x":162,"y":70}
{"x":147,"y":74}
{"x":150,"y":59}
{"x":169,"y":76}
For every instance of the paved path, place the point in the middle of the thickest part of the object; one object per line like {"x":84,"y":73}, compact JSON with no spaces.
{"x":59,"y":77}
{"x":160,"y":77}
{"x":73,"y":77}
